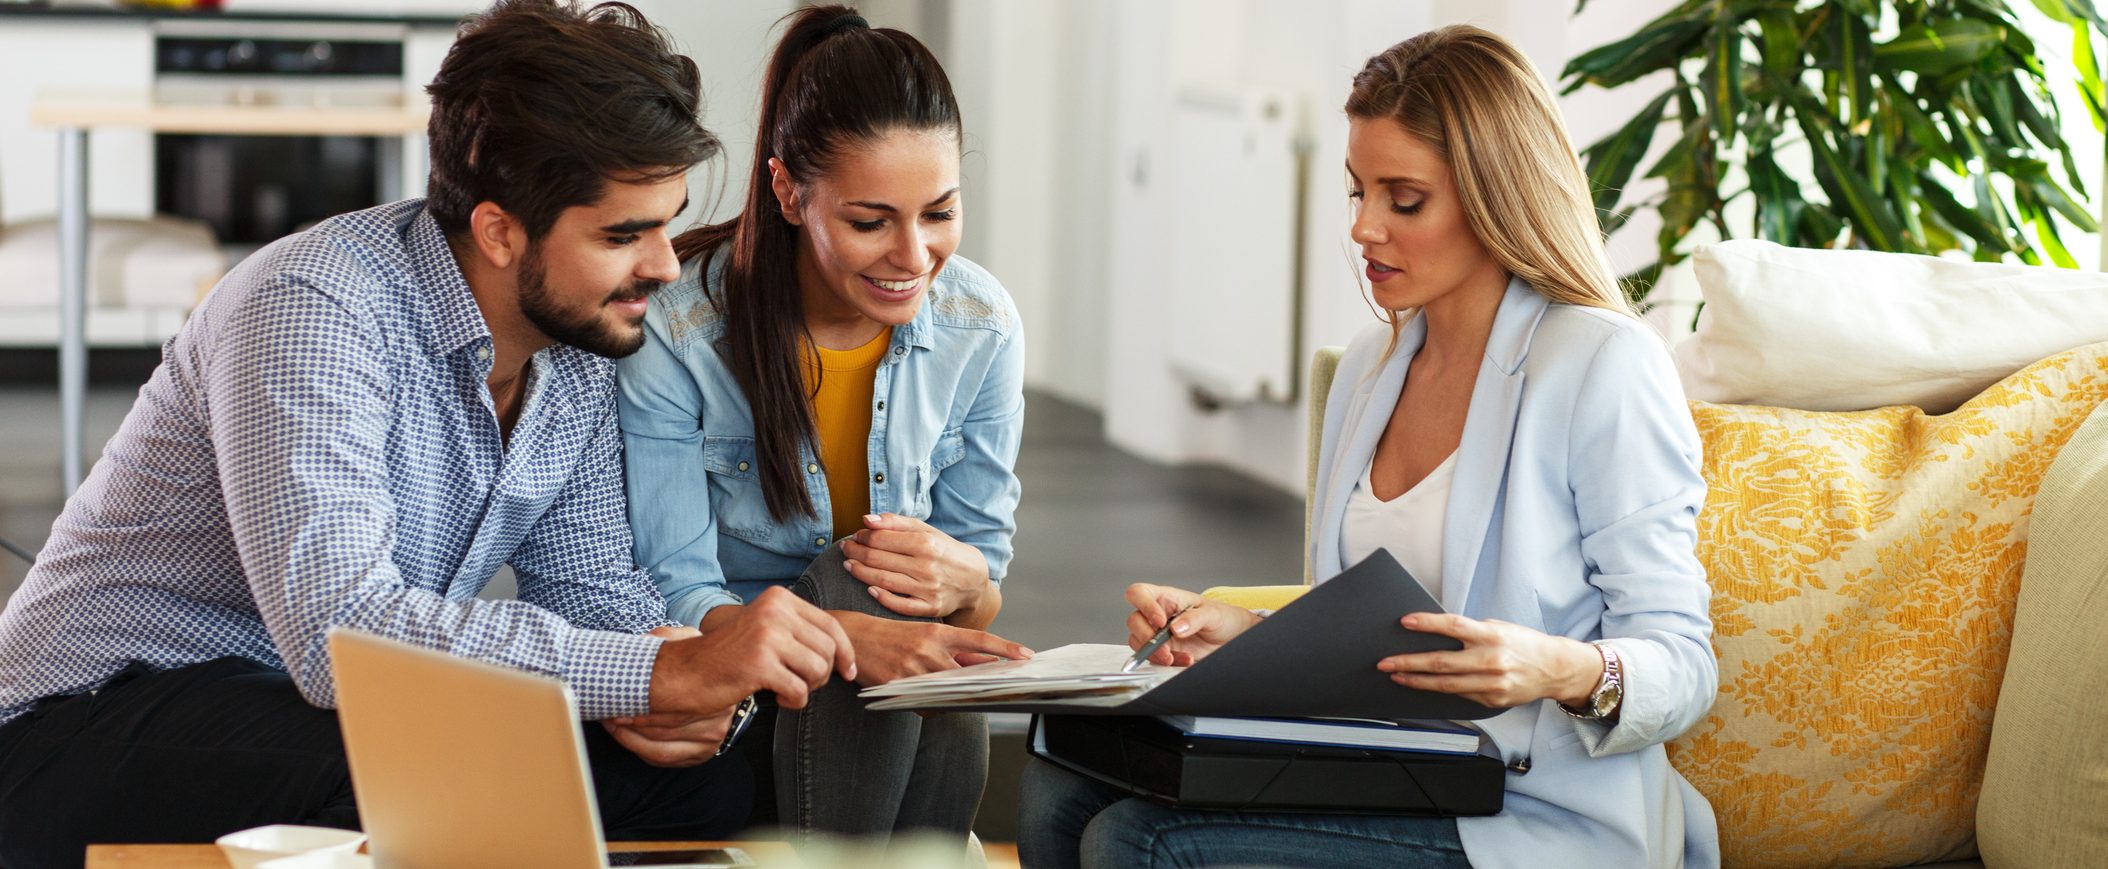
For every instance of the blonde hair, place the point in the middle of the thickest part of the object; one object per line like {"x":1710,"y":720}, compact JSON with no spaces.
{"x":1476,"y":100}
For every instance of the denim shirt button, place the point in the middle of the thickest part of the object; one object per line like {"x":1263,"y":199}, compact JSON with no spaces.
{"x":812,"y":467}
{"x":742,"y":466}
{"x":820,"y":541}
{"x":881,"y":406}
{"x":878,"y":477}
{"x":900,"y":351}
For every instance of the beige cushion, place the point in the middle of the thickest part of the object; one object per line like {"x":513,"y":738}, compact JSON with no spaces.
{"x":1864,"y":568}
{"x":2045,"y":795}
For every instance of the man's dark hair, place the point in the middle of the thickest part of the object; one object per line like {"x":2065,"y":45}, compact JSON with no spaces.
{"x":538,"y":104}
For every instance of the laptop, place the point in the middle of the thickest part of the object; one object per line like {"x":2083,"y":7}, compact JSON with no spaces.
{"x":460,"y":763}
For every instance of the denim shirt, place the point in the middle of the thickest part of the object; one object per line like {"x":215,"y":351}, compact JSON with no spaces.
{"x":947,"y":412}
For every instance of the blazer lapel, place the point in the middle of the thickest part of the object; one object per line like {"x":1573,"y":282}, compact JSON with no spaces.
{"x":1489,"y":430}
{"x":1361,"y":428}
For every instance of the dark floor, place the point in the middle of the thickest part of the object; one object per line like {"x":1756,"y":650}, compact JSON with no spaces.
{"x":1093,"y":519}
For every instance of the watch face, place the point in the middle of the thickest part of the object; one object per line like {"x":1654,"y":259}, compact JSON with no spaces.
{"x":1607,"y":700}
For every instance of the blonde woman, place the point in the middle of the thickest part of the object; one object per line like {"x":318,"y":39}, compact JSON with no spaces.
{"x":1518,"y":440}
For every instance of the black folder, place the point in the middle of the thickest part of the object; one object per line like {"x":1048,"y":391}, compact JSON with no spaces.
{"x":1152,"y":759}
{"x":1315,"y":657}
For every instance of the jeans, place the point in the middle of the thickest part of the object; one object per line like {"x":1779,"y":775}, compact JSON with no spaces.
{"x":1065,"y":819}
{"x":839,"y":768}
{"x":196,"y":752}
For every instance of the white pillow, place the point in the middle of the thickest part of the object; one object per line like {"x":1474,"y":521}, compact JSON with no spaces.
{"x":1853,"y":330}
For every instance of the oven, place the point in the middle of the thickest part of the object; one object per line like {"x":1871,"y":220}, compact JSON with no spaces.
{"x":254,"y":189}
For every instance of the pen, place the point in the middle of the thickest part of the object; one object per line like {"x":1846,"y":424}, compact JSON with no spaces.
{"x":1163,"y":636}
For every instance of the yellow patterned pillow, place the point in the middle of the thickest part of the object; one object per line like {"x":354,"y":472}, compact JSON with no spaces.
{"x":1864,"y":567}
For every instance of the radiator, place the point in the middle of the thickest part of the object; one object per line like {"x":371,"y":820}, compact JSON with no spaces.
{"x":1235,"y":259}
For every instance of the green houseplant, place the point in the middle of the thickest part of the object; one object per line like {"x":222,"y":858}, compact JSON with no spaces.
{"x":1928,"y":126}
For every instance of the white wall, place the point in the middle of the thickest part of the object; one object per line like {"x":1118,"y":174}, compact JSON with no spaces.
{"x":1070,"y":107}
{"x":43,"y":54}
{"x":730,"y":41}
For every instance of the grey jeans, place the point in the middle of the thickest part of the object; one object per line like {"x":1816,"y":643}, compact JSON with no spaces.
{"x":840,"y":768}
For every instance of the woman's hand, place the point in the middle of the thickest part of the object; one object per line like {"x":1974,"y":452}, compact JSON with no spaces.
{"x":916,"y":570}
{"x":889,"y":649}
{"x":1203,"y":627}
{"x":1501,"y":664}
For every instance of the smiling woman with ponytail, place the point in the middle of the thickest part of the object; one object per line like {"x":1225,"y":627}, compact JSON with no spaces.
{"x":830,"y":399}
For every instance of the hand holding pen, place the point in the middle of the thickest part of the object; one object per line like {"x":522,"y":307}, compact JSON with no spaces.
{"x":1180,"y":627}
{"x":1163,"y":635}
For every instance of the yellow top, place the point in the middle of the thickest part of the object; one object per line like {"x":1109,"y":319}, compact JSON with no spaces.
{"x":841,"y":411}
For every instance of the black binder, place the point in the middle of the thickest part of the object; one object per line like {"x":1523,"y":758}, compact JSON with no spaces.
{"x":1154,"y":760}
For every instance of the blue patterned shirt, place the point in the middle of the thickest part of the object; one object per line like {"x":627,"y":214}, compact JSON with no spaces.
{"x":318,"y":448}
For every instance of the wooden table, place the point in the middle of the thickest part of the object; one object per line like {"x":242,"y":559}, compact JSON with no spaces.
{"x":209,"y":857}
{"x":76,"y":112}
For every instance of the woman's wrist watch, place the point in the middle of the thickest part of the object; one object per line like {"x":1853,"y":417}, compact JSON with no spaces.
{"x":1604,"y":700}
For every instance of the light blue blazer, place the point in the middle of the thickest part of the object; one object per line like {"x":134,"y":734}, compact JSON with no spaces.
{"x":1574,"y":512}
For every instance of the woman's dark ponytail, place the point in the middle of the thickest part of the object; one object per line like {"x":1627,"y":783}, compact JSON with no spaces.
{"x":833,"y":81}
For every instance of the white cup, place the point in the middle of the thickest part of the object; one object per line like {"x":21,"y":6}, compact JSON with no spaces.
{"x":321,"y":860}
{"x":248,"y":849}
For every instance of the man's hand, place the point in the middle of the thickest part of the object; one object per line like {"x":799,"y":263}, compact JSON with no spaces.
{"x":1204,"y":626}
{"x":914,"y":569}
{"x":674,"y":739}
{"x":776,"y":643}
{"x":894,"y":649}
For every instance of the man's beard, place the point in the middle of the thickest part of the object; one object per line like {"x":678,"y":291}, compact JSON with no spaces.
{"x":589,"y":330}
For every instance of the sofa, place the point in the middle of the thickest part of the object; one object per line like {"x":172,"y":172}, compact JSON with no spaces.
{"x":1892,"y":581}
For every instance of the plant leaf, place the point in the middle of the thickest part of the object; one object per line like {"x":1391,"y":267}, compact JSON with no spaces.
{"x":1871,"y":217}
{"x":2074,"y":12}
{"x":1965,"y":220}
{"x":2091,"y":89}
{"x":2046,"y":232}
{"x":1723,"y":77}
{"x":1612,"y":160}
{"x":1659,"y":45}
{"x":1778,"y":199}
{"x":1923,"y":132}
{"x":1945,"y":46}
{"x":1997,"y":105}
{"x":2058,"y":11}
{"x":1820,"y":226}
{"x":2050,"y":194}
{"x":1904,"y":187}
{"x":2023,"y":106}
{"x":1782,"y":43}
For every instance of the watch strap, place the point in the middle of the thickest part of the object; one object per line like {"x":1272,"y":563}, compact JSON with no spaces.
{"x":1609,"y":691}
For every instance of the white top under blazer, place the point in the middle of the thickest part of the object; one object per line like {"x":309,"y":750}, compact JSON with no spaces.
{"x":1410,"y":525}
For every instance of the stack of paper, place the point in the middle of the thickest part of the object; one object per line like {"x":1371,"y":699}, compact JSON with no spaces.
{"x":1079,"y":675}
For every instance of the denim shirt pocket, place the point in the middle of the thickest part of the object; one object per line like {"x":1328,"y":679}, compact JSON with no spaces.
{"x":735,"y":487}
{"x":951,"y":447}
